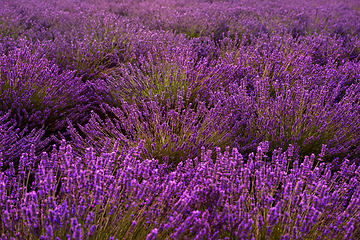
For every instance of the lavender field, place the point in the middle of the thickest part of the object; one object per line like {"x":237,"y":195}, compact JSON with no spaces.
{"x":179,"y":119}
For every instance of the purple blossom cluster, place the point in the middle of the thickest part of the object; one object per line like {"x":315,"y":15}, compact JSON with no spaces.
{"x":164,"y":119}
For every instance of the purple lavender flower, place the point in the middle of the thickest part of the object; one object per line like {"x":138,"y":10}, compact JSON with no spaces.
{"x":152,"y":234}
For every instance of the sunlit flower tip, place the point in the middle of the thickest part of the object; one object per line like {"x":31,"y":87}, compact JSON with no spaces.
{"x":152,"y":235}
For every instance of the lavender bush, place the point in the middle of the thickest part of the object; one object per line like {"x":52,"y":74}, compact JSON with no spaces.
{"x":179,"y":119}
{"x":165,"y":105}
{"x":35,"y":101}
{"x":300,"y":109}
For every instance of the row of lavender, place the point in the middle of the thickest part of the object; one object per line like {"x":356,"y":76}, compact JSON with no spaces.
{"x":178,"y":78}
{"x":91,"y":197}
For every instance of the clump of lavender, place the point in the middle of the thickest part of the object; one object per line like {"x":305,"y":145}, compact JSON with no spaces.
{"x":310,"y":118}
{"x":89,"y":51}
{"x":233,"y":197}
{"x":174,"y":107}
{"x":35,"y":100}
{"x":308,"y":107}
{"x":170,"y":133}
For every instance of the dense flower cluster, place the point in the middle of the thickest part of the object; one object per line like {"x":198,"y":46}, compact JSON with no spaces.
{"x":177,"y":119}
